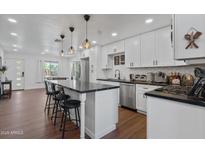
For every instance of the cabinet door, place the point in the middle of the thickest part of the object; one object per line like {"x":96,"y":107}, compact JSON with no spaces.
{"x":186,"y":24}
{"x":132,"y":52}
{"x":148,"y":49}
{"x":141,"y":101}
{"x":164,"y":50}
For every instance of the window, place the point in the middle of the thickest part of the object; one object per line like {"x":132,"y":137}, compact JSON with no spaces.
{"x":50,"y":68}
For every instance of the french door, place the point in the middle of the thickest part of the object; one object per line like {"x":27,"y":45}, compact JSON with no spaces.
{"x":15,"y":72}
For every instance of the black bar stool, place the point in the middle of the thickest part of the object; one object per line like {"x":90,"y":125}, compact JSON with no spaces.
{"x":67,"y":105}
{"x":60,"y":97}
{"x":50,"y":93}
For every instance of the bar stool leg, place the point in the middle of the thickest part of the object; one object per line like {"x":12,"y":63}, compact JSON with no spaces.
{"x":78,"y":116}
{"x":62,"y":118}
{"x":54,"y":108}
{"x":46,"y":102}
{"x":69,"y":115}
{"x":65,"y":117}
{"x":49,"y":103}
{"x":56,"y":112}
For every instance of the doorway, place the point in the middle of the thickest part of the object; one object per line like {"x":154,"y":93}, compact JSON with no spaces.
{"x":15,"y":72}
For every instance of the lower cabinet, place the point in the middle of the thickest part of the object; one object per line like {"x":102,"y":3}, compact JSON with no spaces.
{"x":141,"y":99}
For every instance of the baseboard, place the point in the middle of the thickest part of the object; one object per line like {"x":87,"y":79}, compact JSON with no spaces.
{"x":100,"y":134}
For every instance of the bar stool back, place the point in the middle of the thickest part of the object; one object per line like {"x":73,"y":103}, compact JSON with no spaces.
{"x":67,"y":105}
{"x":50,"y":93}
{"x":60,"y":97}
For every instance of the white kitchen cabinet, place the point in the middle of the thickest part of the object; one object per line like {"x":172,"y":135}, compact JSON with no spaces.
{"x":167,"y":119}
{"x":116,"y":47}
{"x":132,"y":52}
{"x":164,"y":51}
{"x":148,"y":49}
{"x":141,"y":99}
{"x":184,"y":24}
{"x":113,"y":84}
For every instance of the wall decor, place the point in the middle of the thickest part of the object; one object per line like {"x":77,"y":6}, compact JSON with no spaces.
{"x":191,"y":36}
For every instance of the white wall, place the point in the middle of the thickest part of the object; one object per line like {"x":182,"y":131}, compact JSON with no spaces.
{"x":31,"y":64}
{"x":2,"y":54}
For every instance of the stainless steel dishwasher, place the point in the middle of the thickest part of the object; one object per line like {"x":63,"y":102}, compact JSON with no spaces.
{"x":128,"y":95}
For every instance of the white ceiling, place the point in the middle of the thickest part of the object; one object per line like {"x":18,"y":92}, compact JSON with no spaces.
{"x":36,"y":33}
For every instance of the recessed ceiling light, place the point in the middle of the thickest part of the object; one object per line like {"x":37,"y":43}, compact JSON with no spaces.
{"x":94,"y":42}
{"x":46,"y":50}
{"x":80,"y":47}
{"x":14,"y":34}
{"x":148,"y":21}
{"x":14,"y":45}
{"x":114,"y":34}
{"x":42,"y":53}
{"x":12,"y":20}
{"x":15,"y":49}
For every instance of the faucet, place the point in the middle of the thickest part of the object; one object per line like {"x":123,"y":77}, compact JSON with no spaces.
{"x":118,"y":74}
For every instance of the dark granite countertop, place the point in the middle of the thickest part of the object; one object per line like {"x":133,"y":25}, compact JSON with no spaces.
{"x":134,"y":82}
{"x":82,"y":87}
{"x":177,"y":97}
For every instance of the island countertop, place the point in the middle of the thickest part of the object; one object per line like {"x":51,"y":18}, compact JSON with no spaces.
{"x":177,"y":97}
{"x":82,"y":87}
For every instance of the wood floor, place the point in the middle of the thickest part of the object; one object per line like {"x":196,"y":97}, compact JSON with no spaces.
{"x":23,"y":116}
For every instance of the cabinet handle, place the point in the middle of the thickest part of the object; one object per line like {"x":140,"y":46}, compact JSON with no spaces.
{"x":171,"y":35}
{"x":156,"y":62}
{"x":153,"y":62}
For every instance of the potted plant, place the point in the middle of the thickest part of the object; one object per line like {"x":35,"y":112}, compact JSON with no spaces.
{"x":3,"y":69}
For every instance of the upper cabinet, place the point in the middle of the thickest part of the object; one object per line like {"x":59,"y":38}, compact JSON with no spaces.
{"x":164,"y":50}
{"x":148,"y":49}
{"x":132,"y":54}
{"x":116,"y":47}
{"x":187,"y":28}
{"x":108,"y":51}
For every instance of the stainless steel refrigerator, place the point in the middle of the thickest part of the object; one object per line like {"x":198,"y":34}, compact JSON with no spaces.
{"x":80,"y":70}
{"x":84,"y":70}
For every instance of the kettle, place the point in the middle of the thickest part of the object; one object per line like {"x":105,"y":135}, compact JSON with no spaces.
{"x":187,"y":80}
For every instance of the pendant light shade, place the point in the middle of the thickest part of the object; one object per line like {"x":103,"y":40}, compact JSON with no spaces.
{"x":86,"y":43}
{"x":71,"y":49}
{"x":62,"y":37}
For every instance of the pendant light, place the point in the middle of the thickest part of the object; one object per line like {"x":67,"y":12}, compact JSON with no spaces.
{"x":86,"y":43}
{"x":62,"y":37}
{"x":71,"y":49}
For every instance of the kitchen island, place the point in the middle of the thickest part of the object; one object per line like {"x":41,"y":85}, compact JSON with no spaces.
{"x":99,"y":106}
{"x":175,"y":115}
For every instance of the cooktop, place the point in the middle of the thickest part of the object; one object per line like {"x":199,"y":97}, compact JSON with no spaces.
{"x":175,"y":89}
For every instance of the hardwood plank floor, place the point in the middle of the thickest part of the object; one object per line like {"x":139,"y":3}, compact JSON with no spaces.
{"x":23,"y":116}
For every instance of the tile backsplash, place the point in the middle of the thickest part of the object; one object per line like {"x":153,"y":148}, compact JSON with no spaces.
{"x":124,"y":71}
